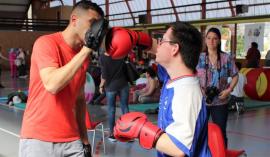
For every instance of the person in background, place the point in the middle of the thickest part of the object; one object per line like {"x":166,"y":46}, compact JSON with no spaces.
{"x":54,"y":119}
{"x":237,"y":95}
{"x":113,"y":82}
{"x":267,"y":59}
{"x":214,"y":68}
{"x":2,"y":58}
{"x":253,"y":56}
{"x":12,"y":57}
{"x":21,"y":67}
{"x":150,"y":93}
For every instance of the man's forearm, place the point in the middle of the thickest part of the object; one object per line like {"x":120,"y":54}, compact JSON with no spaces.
{"x":54,"y":79}
{"x":165,"y":145}
{"x":82,"y":128}
{"x":80,"y":116}
{"x":102,"y":82}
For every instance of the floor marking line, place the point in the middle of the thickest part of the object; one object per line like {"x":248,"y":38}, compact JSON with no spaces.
{"x":9,"y":132}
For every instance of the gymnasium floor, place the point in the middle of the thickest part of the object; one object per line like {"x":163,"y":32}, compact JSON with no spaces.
{"x":249,"y":131}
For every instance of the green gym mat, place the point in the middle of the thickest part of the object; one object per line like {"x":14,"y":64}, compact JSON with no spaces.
{"x":142,"y":107}
{"x":255,"y":103}
{"x":3,"y":99}
{"x":20,"y":106}
{"x":249,"y":104}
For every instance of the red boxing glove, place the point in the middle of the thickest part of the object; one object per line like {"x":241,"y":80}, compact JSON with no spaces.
{"x":128,"y":126}
{"x":135,"y":125}
{"x":149,"y":135}
{"x":120,"y":41}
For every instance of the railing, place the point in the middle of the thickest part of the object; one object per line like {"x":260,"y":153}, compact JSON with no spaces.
{"x":32,"y":24}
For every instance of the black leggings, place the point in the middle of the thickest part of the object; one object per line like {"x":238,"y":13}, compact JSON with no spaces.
{"x":219,"y":115}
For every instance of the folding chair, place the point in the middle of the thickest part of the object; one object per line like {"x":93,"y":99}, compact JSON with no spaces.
{"x":217,"y":145}
{"x":92,"y":127}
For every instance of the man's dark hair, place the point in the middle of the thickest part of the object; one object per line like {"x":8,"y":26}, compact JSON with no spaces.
{"x":190,"y":43}
{"x":85,"y":5}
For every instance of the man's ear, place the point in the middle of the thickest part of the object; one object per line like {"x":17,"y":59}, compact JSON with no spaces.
{"x":73,"y":19}
{"x":176,"y":49}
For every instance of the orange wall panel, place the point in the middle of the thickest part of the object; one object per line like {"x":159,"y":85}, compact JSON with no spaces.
{"x":17,"y":39}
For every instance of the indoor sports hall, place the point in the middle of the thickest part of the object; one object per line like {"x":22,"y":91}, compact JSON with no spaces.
{"x":44,"y":88}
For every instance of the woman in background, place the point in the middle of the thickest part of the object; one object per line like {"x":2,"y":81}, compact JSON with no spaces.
{"x":213,"y":69}
{"x":151,"y":91}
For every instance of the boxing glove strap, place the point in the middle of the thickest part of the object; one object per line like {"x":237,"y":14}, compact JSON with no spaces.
{"x":149,"y":135}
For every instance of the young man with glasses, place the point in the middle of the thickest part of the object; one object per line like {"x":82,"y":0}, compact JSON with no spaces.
{"x":182,"y":123}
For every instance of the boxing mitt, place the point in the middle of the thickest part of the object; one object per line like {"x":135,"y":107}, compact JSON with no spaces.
{"x":95,"y":34}
{"x":136,"y":125}
{"x":119,"y":41}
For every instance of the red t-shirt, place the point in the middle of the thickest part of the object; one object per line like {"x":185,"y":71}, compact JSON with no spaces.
{"x":51,"y":117}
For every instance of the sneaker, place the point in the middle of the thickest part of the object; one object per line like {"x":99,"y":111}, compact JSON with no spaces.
{"x":112,"y":138}
{"x":130,"y":141}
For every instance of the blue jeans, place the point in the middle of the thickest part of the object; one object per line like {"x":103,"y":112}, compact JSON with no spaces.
{"x":111,"y":101}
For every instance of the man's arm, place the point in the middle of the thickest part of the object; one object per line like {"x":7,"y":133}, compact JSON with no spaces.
{"x":55,"y":79}
{"x":101,"y":85}
{"x":80,"y":116}
{"x":165,"y":145}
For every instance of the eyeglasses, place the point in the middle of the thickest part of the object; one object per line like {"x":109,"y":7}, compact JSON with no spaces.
{"x":161,"y":41}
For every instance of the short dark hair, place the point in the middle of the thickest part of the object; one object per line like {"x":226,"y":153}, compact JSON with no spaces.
{"x":238,"y":65}
{"x":151,"y":72}
{"x":190,"y":43}
{"x":86,"y":4}
{"x":254,"y":44}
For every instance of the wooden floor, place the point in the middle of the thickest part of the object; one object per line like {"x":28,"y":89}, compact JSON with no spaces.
{"x":250,"y":131}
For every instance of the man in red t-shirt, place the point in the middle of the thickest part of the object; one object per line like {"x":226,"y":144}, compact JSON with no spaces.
{"x":54,"y":119}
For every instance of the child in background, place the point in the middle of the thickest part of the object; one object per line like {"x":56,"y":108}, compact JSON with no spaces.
{"x":237,"y":95}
